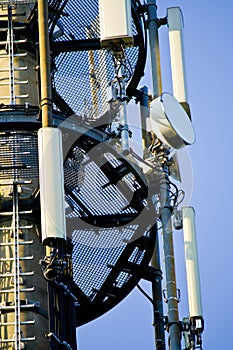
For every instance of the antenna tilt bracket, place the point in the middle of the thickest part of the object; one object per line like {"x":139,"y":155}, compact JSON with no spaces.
{"x":194,"y":326}
{"x":53,"y":265}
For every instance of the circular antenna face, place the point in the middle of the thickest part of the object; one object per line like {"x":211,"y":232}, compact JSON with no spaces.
{"x":170,"y":122}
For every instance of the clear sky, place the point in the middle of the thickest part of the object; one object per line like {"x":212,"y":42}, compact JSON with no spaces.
{"x":208,"y":36}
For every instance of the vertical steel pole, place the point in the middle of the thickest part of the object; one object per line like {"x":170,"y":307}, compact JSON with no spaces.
{"x":173,"y":314}
{"x":158,"y":299}
{"x":155,"y":261}
{"x":46,"y":90}
{"x":157,"y":91}
{"x":154,"y":48}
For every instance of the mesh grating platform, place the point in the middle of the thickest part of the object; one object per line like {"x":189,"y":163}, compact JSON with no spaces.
{"x":109,"y":223}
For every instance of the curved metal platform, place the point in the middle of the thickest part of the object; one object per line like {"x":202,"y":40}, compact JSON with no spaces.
{"x":109,"y":221}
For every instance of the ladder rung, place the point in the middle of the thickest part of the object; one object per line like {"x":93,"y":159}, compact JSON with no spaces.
{"x":26,"y":322}
{"x":13,"y":153}
{"x":21,"y":258}
{"x":8,"y":244}
{"x":22,"y":54}
{"x":19,"y":28}
{"x":28,"y":339}
{"x":22,"y":82}
{"x":21,"y":339}
{"x":16,"y":83}
{"x":13,"y":167}
{"x":6,"y":275}
{"x":21,"y":41}
{"x":25,"y":212}
{"x":12,"y":307}
{"x":22,"y":96}
{"x":22,"y":323}
{"x":23,"y":290}
{"x":20,"y":227}
{"x":20,"y":182}
{"x":20,"y":68}
{"x":29,"y":273}
{"x":26,"y":242}
{"x":15,"y":69}
{"x":19,"y":96}
{"x":7,"y":213}
{"x":28,"y":306}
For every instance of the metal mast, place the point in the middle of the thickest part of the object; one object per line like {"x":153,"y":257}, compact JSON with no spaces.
{"x":46,"y":91}
{"x":157,"y":90}
{"x":173,"y":316}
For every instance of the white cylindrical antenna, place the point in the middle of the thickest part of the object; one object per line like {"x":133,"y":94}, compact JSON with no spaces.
{"x":53,"y":223}
{"x":175,"y":27}
{"x":191,"y":261}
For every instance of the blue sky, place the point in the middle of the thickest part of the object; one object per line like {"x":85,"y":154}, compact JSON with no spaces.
{"x":208,"y":40}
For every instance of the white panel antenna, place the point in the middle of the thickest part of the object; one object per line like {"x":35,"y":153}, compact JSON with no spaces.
{"x":115,"y":23}
{"x":51,"y":186}
{"x":191,"y":261}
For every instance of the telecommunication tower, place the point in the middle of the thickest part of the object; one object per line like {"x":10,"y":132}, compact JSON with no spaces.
{"x":79,"y":209}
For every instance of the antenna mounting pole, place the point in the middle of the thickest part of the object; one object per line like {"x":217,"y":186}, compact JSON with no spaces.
{"x":44,"y":47}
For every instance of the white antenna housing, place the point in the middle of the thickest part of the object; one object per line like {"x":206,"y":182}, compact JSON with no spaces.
{"x":115,"y":23}
{"x":175,"y":27}
{"x":191,"y":261}
{"x":170,"y":122}
{"x":53,"y":222}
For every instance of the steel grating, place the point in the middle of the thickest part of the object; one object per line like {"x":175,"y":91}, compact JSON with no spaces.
{"x":95,"y":253}
{"x":105,"y":194}
{"x":18,"y":155}
{"x":112,"y":242}
{"x":105,"y":197}
{"x":81,"y":78}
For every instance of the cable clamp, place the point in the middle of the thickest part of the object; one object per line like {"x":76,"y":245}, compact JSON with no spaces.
{"x":46,"y":101}
{"x":177,"y":297}
{"x":121,"y":128}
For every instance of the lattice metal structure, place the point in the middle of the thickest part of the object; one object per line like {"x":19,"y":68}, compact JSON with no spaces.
{"x":110,"y":234}
{"x":110,"y":223}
